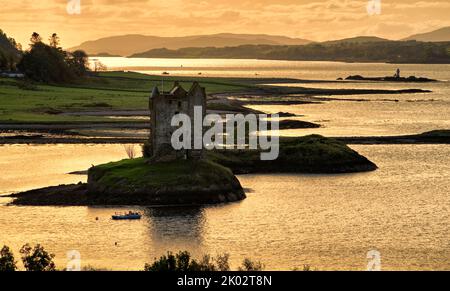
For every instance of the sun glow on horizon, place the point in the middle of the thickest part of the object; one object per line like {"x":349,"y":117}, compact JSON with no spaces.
{"x":316,"y":21}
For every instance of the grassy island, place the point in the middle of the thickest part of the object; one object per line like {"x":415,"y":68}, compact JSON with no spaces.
{"x":138,"y":182}
{"x":310,"y":154}
{"x":180,"y":182}
{"x":208,"y":181}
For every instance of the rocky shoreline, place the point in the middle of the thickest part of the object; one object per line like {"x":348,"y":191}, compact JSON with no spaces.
{"x":424,"y":138}
{"x":78,"y":195}
{"x":432,"y":137}
{"x":410,"y":79}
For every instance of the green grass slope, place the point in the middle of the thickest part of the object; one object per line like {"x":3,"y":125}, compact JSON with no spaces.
{"x":179,"y":182}
{"x":309,"y":154}
{"x":24,"y":103}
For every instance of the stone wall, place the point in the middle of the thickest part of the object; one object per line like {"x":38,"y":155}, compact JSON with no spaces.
{"x":163,"y":107}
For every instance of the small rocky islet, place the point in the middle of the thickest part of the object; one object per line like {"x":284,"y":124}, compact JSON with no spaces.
{"x":410,"y":79}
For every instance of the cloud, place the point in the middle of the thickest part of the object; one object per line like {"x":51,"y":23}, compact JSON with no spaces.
{"x":316,"y":20}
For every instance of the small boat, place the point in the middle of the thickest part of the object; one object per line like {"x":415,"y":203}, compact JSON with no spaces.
{"x":127,"y":216}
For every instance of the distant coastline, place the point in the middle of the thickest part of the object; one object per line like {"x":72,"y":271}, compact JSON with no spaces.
{"x":104,"y":55}
{"x":401,"y":52}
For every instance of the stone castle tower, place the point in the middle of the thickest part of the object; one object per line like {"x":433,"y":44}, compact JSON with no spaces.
{"x":163,"y":106}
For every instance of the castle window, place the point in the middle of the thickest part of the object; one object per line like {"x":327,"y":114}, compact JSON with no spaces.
{"x":179,"y":104}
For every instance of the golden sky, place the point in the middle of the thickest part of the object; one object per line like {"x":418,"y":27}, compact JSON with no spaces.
{"x":315,"y":20}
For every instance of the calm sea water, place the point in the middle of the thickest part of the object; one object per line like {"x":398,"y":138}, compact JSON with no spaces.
{"x":327,"y":221}
{"x":269,"y":69}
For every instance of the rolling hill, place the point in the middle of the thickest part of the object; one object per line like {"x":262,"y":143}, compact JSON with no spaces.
{"x":358,"y":39}
{"x":439,"y":35}
{"x":126,"y":45}
{"x":375,"y":51}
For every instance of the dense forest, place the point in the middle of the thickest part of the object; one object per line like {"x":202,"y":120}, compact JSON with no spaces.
{"x":370,"y":51}
{"x":9,"y":52}
{"x":42,"y":62}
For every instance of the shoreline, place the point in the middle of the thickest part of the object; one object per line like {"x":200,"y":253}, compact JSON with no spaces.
{"x":210,"y":180}
{"x":423,"y":138}
{"x":90,"y":132}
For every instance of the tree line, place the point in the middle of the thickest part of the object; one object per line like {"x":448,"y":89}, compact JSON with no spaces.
{"x":43,"y":62}
{"x":379,"y":51}
{"x":37,"y":259}
{"x":33,"y":258}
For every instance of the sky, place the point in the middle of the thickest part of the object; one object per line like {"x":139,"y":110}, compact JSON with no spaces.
{"x":314,"y":20}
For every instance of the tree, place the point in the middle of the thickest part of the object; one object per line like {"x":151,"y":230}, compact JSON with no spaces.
{"x":7,"y":263}
{"x":3,"y":60}
{"x":35,"y":38}
{"x":44,"y":63}
{"x":37,"y":259}
{"x":19,"y":47}
{"x":164,"y":264}
{"x":251,"y":266}
{"x":9,"y":53}
{"x":50,"y":63}
{"x":183,"y":262}
{"x":99,"y":66}
{"x":223,"y":263}
{"x":13,"y":42}
{"x":79,"y":62}
{"x":54,"y":40}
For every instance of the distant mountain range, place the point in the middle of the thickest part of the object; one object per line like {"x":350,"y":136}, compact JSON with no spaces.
{"x":135,"y":44}
{"x":439,"y":35}
{"x":126,"y":45}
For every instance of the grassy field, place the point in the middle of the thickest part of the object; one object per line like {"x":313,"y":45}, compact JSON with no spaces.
{"x":24,"y":103}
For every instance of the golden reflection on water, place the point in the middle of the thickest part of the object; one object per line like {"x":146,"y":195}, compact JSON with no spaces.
{"x":26,"y":167}
{"x":377,"y":118}
{"x":270,"y":68}
{"x":326,"y":221}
